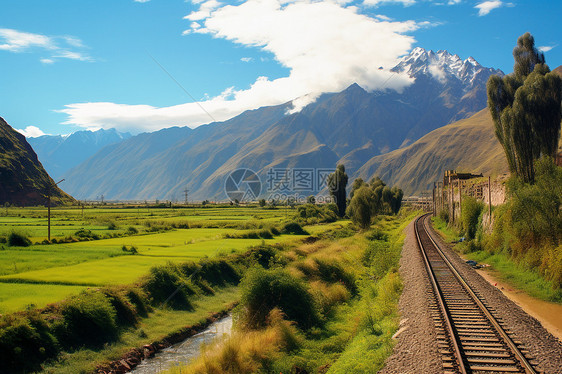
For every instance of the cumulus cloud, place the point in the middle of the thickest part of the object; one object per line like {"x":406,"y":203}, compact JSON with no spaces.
{"x":325,"y":45}
{"x":486,"y":7}
{"x":31,"y":132}
{"x":59,"y":47}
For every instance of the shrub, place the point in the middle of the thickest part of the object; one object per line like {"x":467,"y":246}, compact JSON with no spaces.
{"x":24,"y":343}
{"x":125,"y":311}
{"x":333,"y":272}
{"x":139,"y":299}
{"x":112,"y":226}
{"x":377,"y":234}
{"x":131,"y":230}
{"x":263,"y":290}
{"x":88,"y":319}
{"x":18,"y":240}
{"x":166,"y":286}
{"x":86,"y":234}
{"x":471,"y":209}
{"x":264,"y":255}
{"x":293,"y":228}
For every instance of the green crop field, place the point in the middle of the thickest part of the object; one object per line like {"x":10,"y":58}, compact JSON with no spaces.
{"x":44,"y":273}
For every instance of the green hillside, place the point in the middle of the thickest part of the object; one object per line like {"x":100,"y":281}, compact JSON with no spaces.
{"x":468,"y":145}
{"x":23,"y":180}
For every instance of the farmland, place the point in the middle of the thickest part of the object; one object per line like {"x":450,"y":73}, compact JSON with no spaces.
{"x":100,"y":246}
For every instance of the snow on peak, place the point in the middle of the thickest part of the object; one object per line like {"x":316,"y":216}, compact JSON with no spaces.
{"x":441,"y":65}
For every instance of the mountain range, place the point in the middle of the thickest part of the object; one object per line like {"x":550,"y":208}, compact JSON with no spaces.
{"x":60,"y":153}
{"x":349,"y":127}
{"x":23,"y":179}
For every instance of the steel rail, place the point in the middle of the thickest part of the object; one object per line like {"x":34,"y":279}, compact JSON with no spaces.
{"x":525,"y":364}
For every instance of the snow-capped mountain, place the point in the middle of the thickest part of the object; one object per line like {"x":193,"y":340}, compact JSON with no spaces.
{"x":445,"y":66}
{"x":60,"y":153}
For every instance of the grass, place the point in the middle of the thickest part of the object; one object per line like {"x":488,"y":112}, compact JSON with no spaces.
{"x":161,"y":323}
{"x":517,"y":275}
{"x":103,"y":262}
{"x":358,"y":304}
{"x":16,"y":296}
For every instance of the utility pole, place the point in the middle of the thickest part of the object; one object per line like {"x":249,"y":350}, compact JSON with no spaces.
{"x":49,"y":186}
{"x":186,"y":191}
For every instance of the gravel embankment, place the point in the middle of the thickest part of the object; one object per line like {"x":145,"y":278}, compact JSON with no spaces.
{"x":416,"y":348}
{"x":543,"y":347}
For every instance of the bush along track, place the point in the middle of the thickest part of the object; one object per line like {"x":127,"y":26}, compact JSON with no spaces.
{"x":99,"y":316}
{"x":328,"y":305}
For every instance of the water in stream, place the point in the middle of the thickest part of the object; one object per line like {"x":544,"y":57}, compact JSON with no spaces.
{"x":182,"y":353}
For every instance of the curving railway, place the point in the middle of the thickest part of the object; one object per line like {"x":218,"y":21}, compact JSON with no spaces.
{"x":471,"y":338}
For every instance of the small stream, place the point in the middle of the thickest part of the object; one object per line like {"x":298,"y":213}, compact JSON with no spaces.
{"x":182,"y":353}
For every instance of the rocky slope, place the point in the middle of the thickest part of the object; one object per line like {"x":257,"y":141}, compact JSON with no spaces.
{"x":23,"y":180}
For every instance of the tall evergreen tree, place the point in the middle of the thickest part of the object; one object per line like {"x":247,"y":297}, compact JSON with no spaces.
{"x":526,"y":109}
{"x":337,"y":182}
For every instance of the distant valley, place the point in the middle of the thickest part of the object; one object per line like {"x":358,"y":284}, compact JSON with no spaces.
{"x":349,"y":127}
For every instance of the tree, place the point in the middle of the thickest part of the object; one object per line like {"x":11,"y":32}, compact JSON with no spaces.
{"x":337,"y":182}
{"x":525,"y":108}
{"x":396,"y":201}
{"x":262,"y":202}
{"x":311,"y":200}
{"x":357,"y":183}
{"x":362,"y":207}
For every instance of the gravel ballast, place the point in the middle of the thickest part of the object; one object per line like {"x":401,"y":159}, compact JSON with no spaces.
{"x":416,"y":348}
{"x":543,"y":346}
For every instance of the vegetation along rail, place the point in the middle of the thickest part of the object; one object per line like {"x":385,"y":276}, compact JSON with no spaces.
{"x":471,"y":339}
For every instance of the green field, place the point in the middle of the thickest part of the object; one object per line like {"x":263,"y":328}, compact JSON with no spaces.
{"x":45,"y":273}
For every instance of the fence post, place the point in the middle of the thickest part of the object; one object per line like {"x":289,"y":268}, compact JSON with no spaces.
{"x":460,"y":198}
{"x":490,"y":198}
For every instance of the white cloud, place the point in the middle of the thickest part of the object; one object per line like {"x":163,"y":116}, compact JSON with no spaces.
{"x":246,"y":59}
{"x":325,"y":45}
{"x":31,"y":132}
{"x":437,"y":72}
{"x":486,"y":7}
{"x":380,"y":2}
{"x":72,"y":55}
{"x":204,"y":11}
{"x":141,"y":1}
{"x":19,"y":41}
{"x":546,"y":48}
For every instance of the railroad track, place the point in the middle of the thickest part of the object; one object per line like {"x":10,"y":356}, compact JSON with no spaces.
{"x":471,"y":338}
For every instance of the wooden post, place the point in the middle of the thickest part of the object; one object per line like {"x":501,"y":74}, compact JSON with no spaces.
{"x":460,"y":198}
{"x":49,"y":213}
{"x":451,"y":198}
{"x":434,"y":199}
{"x":490,"y":197}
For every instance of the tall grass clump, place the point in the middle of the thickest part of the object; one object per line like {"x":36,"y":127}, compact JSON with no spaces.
{"x":266,"y":289}
{"x":167,"y":286}
{"x":89,"y":319}
{"x":247,"y":352}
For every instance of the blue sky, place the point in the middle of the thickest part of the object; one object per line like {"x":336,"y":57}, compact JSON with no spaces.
{"x":132,"y":65}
